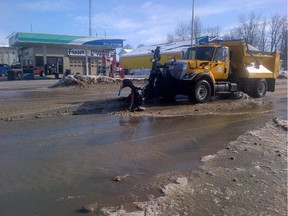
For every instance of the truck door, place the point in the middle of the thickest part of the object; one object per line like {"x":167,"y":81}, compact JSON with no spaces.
{"x":220,"y":64}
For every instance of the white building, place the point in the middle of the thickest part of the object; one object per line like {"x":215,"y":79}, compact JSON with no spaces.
{"x":8,"y":55}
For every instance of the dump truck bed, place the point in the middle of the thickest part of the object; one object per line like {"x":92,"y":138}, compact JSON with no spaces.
{"x":252,"y":63}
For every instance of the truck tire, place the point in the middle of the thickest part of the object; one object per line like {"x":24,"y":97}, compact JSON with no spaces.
{"x":201,"y":92}
{"x":260,"y":88}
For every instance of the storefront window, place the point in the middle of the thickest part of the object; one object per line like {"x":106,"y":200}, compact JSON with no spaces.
{"x":39,"y":61}
{"x":55,"y":62}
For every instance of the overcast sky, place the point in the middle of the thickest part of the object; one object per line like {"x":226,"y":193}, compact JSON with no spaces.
{"x":136,"y":21}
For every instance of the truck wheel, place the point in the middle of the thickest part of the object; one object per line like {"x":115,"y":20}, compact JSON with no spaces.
{"x":260,"y":88}
{"x":201,"y":92}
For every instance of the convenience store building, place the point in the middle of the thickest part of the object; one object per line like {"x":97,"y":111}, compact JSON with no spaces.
{"x":58,"y":53}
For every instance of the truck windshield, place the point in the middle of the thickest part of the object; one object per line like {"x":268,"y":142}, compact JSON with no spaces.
{"x":199,"y":53}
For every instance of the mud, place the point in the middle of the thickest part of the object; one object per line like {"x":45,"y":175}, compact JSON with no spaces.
{"x":248,"y":177}
{"x":227,"y":181}
{"x":32,"y":102}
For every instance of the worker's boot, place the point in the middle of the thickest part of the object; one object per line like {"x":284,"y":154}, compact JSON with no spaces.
{"x":140,"y":108}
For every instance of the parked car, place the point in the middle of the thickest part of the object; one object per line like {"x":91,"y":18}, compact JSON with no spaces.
{"x":4,"y":69}
{"x":17,"y":69}
{"x":39,"y":71}
{"x":27,"y":71}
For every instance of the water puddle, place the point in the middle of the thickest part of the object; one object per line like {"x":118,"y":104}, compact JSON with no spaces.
{"x":54,"y":166}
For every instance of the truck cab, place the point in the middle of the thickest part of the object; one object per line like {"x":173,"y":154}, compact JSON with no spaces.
{"x":214,"y":58}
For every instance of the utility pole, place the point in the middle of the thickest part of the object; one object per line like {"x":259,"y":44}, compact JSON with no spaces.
{"x":192,"y":24}
{"x":90,"y":19}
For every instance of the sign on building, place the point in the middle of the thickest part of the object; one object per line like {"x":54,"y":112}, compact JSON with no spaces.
{"x":95,"y":53}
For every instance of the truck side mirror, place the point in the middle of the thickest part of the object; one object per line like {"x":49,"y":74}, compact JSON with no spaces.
{"x":182,"y":54}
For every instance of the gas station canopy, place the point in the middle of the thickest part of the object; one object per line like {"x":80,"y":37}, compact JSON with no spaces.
{"x":22,"y":38}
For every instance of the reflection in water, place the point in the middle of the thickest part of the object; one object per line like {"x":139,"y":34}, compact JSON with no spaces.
{"x":54,"y":166}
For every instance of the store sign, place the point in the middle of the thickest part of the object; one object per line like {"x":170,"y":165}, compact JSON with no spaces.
{"x":95,"y":53}
{"x":106,"y":42}
{"x":76,"y":52}
{"x":99,"y":53}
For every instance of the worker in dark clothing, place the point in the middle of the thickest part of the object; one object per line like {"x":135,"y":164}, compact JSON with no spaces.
{"x":136,"y":98}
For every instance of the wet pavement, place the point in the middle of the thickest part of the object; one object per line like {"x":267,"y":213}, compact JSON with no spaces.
{"x":53,"y":166}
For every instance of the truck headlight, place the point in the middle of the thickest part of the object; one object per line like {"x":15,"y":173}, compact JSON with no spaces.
{"x":188,"y":75}
{"x":184,"y":66}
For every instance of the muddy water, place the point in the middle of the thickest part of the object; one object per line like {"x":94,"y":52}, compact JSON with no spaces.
{"x":54,"y":166}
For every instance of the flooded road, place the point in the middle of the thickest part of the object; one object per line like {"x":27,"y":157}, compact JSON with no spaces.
{"x":53,"y":166}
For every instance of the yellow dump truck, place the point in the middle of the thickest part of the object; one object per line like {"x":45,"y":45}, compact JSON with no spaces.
{"x":219,"y":67}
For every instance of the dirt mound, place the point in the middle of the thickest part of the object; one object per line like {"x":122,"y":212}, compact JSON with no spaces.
{"x":85,"y":80}
{"x":72,"y":80}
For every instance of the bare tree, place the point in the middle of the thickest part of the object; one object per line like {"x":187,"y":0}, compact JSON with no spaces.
{"x":231,"y":35}
{"x":182,"y":32}
{"x":249,"y":28}
{"x":275,"y":24}
{"x":213,"y":31}
{"x":197,"y":27}
{"x":263,"y":35}
{"x":170,"y":38}
{"x":283,"y":43}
